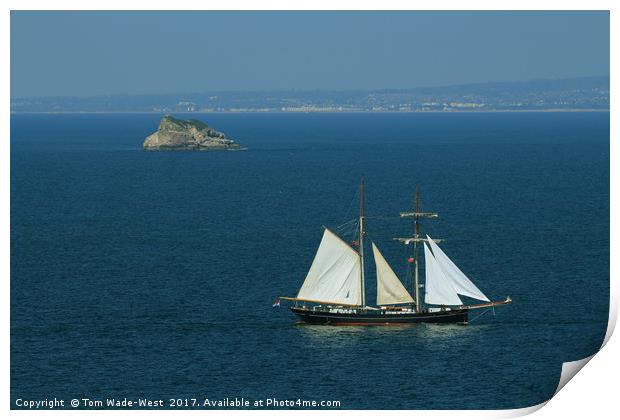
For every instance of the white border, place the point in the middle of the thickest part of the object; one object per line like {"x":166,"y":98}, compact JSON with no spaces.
{"x":594,"y":394}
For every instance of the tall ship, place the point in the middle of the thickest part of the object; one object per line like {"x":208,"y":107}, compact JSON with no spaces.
{"x":334,"y":289}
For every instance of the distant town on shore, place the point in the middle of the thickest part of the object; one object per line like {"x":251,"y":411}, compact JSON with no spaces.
{"x":587,"y":93}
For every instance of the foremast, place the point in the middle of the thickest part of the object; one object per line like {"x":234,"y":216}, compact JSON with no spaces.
{"x":416,"y":215}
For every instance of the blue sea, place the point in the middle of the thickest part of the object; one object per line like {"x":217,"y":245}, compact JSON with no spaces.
{"x":140,"y":274}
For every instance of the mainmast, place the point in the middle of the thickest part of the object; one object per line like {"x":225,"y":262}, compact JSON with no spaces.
{"x":416,"y":214}
{"x":361,"y":242}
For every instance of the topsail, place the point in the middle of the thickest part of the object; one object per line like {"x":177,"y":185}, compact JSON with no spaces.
{"x":389,"y":288}
{"x":335,"y":273}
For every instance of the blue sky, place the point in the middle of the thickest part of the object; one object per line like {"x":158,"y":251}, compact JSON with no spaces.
{"x":101,"y":53}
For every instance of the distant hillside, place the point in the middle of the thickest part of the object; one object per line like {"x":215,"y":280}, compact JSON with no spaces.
{"x":577,"y":93}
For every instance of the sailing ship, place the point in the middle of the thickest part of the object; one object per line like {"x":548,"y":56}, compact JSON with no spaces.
{"x":334,"y":289}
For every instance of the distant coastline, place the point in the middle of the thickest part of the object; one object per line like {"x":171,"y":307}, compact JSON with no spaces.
{"x":577,"y":94}
{"x":454,"y":111}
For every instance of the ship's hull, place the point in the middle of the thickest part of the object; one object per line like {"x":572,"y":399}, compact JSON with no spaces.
{"x":372,"y":317}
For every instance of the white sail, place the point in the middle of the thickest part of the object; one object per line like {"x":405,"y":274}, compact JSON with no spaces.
{"x":390,"y":290}
{"x":438,"y":290}
{"x":461,"y":283}
{"x":335,"y":274}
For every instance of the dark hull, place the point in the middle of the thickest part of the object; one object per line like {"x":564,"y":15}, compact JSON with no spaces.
{"x":326,"y":317}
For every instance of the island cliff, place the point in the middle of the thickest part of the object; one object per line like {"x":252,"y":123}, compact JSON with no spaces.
{"x":175,"y":134}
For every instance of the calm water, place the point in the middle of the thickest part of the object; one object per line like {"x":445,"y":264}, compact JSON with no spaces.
{"x":151,"y":274}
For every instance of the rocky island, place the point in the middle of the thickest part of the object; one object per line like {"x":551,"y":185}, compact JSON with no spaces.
{"x":175,"y":134}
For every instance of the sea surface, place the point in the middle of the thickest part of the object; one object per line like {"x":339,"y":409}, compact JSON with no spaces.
{"x":140,"y":274}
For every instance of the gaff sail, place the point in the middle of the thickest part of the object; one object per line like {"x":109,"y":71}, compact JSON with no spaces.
{"x":335,"y":273}
{"x":390,"y":290}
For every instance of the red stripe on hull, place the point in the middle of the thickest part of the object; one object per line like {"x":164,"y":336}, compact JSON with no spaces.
{"x":379,"y":324}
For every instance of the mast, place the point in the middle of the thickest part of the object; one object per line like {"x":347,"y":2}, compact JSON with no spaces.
{"x":361,"y":234}
{"x":416,"y":214}
{"x":416,"y":235}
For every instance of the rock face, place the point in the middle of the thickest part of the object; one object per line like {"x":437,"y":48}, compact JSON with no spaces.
{"x":175,"y":134}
